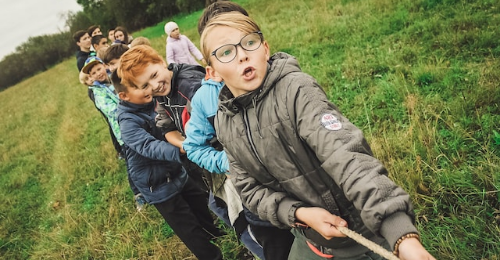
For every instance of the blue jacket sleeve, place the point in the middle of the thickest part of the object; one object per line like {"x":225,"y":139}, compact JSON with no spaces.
{"x":200,"y":131}
{"x":143,"y":143}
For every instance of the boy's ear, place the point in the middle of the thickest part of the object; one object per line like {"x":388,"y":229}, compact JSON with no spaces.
{"x":266,"y":46}
{"x":123,"y":95}
{"x":213,"y":74}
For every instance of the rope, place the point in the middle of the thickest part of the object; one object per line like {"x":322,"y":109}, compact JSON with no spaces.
{"x":367,"y":243}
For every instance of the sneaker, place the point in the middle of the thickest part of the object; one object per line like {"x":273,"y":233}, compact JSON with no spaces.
{"x":140,"y":202}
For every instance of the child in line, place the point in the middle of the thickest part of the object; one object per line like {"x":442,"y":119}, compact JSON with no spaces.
{"x":155,"y":165}
{"x":94,"y":30}
{"x":112,"y":56}
{"x":140,"y":41}
{"x":83,"y":41}
{"x":102,"y":93}
{"x":106,"y":100}
{"x":111,"y":35}
{"x":174,"y":86}
{"x":121,"y":36}
{"x":179,"y":48}
{"x":294,"y":158}
{"x":85,"y":79}
{"x":201,"y":147}
{"x":99,"y":42}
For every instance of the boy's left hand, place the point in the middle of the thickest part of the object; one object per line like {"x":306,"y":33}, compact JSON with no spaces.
{"x":412,"y":249}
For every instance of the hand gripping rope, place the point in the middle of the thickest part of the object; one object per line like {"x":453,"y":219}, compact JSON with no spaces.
{"x":367,"y":243}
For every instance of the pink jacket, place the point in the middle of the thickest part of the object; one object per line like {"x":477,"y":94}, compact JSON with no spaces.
{"x":182,"y":50}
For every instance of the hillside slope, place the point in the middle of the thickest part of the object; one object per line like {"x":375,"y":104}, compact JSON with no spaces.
{"x":421,"y":78}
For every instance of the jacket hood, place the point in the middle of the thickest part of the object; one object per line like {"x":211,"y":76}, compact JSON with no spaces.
{"x":175,"y":68}
{"x":279,"y":65}
{"x":188,"y":71}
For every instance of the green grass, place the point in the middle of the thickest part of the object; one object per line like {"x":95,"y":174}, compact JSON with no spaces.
{"x":420,"y":78}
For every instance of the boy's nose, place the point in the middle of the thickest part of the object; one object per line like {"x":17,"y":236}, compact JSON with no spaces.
{"x":241,"y":53}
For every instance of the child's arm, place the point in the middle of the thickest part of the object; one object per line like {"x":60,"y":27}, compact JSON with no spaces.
{"x":175,"y":138}
{"x":200,"y":131}
{"x":142,"y":142}
{"x":194,"y":50}
{"x":108,"y":105}
{"x":346,"y":157}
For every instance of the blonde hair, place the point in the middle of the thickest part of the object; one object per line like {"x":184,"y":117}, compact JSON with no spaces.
{"x":83,"y":78}
{"x":234,"y":20}
{"x":140,"y":41}
{"x":134,"y":61}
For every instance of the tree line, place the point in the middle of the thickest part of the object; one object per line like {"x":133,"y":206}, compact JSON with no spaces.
{"x":39,"y":53}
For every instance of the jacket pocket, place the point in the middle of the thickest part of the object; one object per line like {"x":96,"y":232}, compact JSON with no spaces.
{"x":162,"y":173}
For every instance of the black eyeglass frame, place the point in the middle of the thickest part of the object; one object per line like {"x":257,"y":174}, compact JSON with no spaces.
{"x":236,"y":46}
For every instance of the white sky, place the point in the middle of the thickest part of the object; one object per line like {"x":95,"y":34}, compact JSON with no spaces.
{"x":21,"y":19}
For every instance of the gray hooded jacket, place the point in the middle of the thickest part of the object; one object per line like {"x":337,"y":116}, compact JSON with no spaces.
{"x":288,"y":147}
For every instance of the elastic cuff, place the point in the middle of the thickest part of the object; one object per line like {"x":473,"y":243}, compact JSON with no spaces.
{"x":286,"y":211}
{"x":396,"y":226}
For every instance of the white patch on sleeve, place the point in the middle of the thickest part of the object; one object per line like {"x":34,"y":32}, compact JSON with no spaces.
{"x":331,"y":122}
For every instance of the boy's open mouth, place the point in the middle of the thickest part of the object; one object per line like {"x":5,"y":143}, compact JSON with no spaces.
{"x":248,"y":73}
{"x":160,"y":88}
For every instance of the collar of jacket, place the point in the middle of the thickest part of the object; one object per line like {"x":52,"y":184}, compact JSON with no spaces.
{"x":146,"y":108}
{"x":174,"y":67}
{"x":231,"y":105}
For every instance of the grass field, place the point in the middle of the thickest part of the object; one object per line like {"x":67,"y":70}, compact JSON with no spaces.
{"x":421,"y":78}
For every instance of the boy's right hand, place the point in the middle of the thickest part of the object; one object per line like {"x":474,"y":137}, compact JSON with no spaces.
{"x":321,"y":220}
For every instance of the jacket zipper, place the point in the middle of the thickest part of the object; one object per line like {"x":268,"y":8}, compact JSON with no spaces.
{"x":175,"y":114}
{"x":249,"y":135}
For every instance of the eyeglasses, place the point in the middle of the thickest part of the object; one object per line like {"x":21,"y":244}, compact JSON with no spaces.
{"x":227,"y":53}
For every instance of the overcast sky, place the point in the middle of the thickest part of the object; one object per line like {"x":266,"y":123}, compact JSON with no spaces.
{"x":21,"y":19}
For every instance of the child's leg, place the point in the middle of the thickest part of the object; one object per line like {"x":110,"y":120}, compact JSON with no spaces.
{"x":250,"y":242}
{"x":197,"y":201}
{"x":179,"y":216}
{"x":275,"y":242}
{"x":219,"y":208}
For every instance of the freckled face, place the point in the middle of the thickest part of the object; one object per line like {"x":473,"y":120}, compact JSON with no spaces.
{"x":158,"y":77}
{"x":247,"y":70}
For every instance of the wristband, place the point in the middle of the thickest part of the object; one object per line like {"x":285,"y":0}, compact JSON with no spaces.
{"x":400,"y":240}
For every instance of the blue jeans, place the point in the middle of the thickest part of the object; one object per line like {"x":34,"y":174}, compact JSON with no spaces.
{"x":246,"y":236}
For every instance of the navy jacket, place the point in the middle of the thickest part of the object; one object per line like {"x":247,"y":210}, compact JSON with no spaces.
{"x":154,"y":165}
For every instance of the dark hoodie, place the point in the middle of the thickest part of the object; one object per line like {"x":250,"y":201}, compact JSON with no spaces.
{"x":81,"y":57}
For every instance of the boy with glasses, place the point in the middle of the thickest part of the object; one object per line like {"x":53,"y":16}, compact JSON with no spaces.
{"x":294,"y":158}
